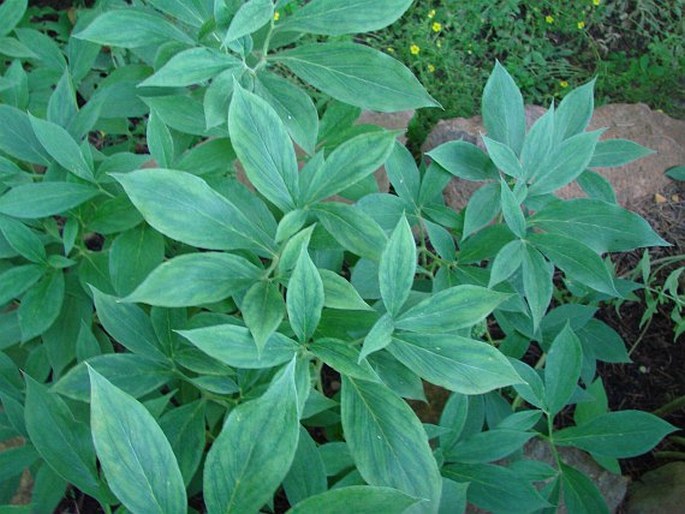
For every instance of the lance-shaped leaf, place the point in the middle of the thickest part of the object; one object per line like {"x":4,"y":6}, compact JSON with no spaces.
{"x":403,"y":173}
{"x":574,"y":112}
{"x":305,"y":297}
{"x":233,"y":345}
{"x":333,"y":18}
{"x":453,"y":362}
{"x":378,"y":337}
{"x":502,"y":107}
{"x":17,"y":137}
{"x":388,"y":442}
{"x":64,"y":443}
{"x":481,"y":208}
{"x":348,"y":164}
{"x":135,"y":455}
{"x":352,"y":228}
{"x":261,"y":142}
{"x":504,"y":157}
{"x":511,"y":210}
{"x":506,"y":262}
{"x":243,"y":471}
{"x":601,"y":226}
{"x":580,"y":493}
{"x":361,"y":499}
{"x":160,"y":142}
{"x":450,"y":309}
{"x":195,"y":279}
{"x":18,"y":279}
{"x":397,"y":267}
{"x":488,"y":446}
{"x":32,"y":201}
{"x":340,"y":294}
{"x":41,"y":305}
{"x":11,"y":13}
{"x":250,"y":17}
{"x":562,"y":370}
{"x":132,"y":28}
{"x":263,"y":309}
{"x":307,"y":475}
{"x":184,"y":207}
{"x":133,"y":255}
{"x":191,"y":67}
{"x":464,"y":160}
{"x":23,"y":240}
{"x":537,"y":283}
{"x":358,"y":75}
{"x":621,"y":434}
{"x":62,"y":148}
{"x":185,"y":429}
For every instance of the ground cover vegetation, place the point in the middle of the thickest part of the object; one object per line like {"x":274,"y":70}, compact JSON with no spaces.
{"x":172,"y":340}
{"x":633,"y":48}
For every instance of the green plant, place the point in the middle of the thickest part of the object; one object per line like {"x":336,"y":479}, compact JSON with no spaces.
{"x":182,"y":330}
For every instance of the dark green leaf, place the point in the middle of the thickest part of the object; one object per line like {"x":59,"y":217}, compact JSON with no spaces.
{"x":537,"y":283}
{"x":378,"y":337}
{"x":307,"y":475}
{"x":242,"y":471}
{"x":41,"y":305}
{"x":14,"y":461}
{"x":481,"y":208}
{"x":580,"y":493}
{"x":360,"y":499}
{"x":397,"y":267}
{"x":159,"y":141}
{"x":358,"y":75}
{"x":133,"y":255}
{"x":344,"y":358}
{"x":506,"y":262}
{"x":562,"y":370}
{"x":339,"y":293}
{"x":184,"y":427}
{"x":403,"y":173}
{"x":133,"y":452}
{"x":453,"y":499}
{"x":676,"y":173}
{"x":18,"y":279}
{"x":23,"y":240}
{"x":305,"y":297}
{"x":488,"y":446}
{"x":596,"y":186}
{"x":263,"y":309}
{"x":602,"y":342}
{"x":502,"y":106}
{"x":11,"y":13}
{"x":354,"y":230}
{"x":44,"y":199}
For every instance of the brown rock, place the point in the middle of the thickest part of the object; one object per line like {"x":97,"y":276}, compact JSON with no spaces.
{"x":661,"y":490}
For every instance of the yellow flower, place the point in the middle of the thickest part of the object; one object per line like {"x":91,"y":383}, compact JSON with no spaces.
{"x":596,"y":2}
{"x":549,"y":19}
{"x":431,"y":68}
{"x":437,"y":27}
{"x":277,"y":16}
{"x":414,"y":49}
{"x":581,"y":25}
{"x":563,"y":84}
{"x":391,"y":50}
{"x":431,"y":14}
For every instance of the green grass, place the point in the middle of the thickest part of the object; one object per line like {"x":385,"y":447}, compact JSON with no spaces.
{"x":634,"y":47}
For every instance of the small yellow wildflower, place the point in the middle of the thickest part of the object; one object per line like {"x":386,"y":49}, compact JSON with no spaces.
{"x":431,"y":14}
{"x":437,"y":27}
{"x":581,"y":25}
{"x":431,"y":68}
{"x":563,"y":84}
{"x":414,"y":49}
{"x":549,"y":19}
{"x":596,"y":2}
{"x":391,"y":50}
{"x":277,"y":16}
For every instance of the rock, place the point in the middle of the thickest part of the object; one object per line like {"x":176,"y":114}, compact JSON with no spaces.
{"x":635,"y":122}
{"x":661,"y":490}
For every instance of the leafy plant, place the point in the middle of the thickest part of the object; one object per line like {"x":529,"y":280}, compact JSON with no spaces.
{"x":178,"y":333}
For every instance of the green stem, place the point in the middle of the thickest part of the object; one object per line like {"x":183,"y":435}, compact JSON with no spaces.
{"x":670,"y":407}
{"x":550,"y":438}
{"x":639,"y":338}
{"x":670,"y":455}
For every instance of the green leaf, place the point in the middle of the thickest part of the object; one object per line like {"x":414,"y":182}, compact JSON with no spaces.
{"x":403,"y":173}
{"x":537,"y":283}
{"x":617,"y":152}
{"x":453,"y":362}
{"x":602,"y":342}
{"x":481,"y":208}
{"x":344,"y":358}
{"x":539,"y":143}
{"x":18,"y":279}
{"x":387,"y":441}
{"x":294,"y":106}
{"x":133,"y":255}
{"x":261,"y":142}
{"x":305,"y":297}
{"x":565,"y":164}
{"x":621,"y":434}
{"x":23,"y":240}
{"x":506,"y":262}
{"x":131,"y":28}
{"x":128,"y":324}
{"x":441,"y":239}
{"x":61,"y":440}
{"x":352,"y":229}
{"x":358,"y":75}
{"x":263,"y":309}
{"x":397,"y":267}
{"x":496,"y":488}
{"x":191,"y":66}
{"x":576,"y":260}
{"x":339,"y":293}
{"x":307,"y":475}
{"x":450,"y":309}
{"x":331,"y":18}
{"x":676,"y":173}
{"x":251,"y":16}
{"x":488,"y":446}
{"x":453,"y":499}
{"x":596,"y":186}
{"x":562,"y":370}
{"x":135,"y":374}
{"x":41,"y":305}
{"x":48,"y":490}
{"x":44,"y":199}
{"x":184,"y":427}
{"x":184,"y":114}
{"x":196,"y":279}
{"x":185,"y":208}
{"x":17,"y":137}
{"x":464,"y":160}
{"x":511,"y":210}
{"x":62,"y":106}
{"x":348,"y":164}
{"x":601,"y":226}
{"x":233,"y":345}
{"x":14,"y":461}
{"x":574,"y":112}
{"x":62,"y":148}
{"x":502,"y":107}
{"x":159,"y":141}
{"x":133,"y":451}
{"x":11,"y":13}
{"x":360,"y":499}
{"x":242,"y":472}
{"x":378,"y":337}
{"x":580,"y":494}
{"x":504,"y":157}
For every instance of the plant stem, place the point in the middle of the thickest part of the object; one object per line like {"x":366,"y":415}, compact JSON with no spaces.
{"x":639,"y":338}
{"x":670,"y":455}
{"x":671,"y":406}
